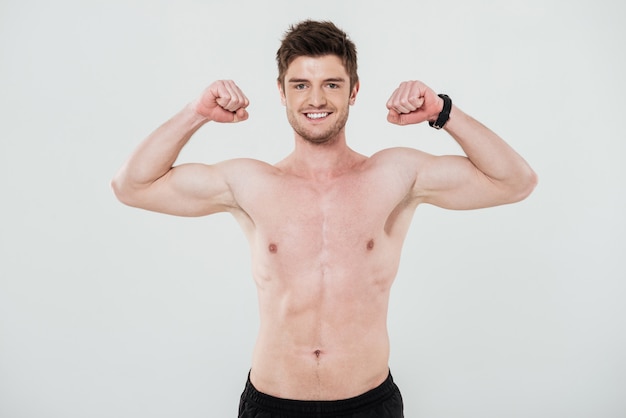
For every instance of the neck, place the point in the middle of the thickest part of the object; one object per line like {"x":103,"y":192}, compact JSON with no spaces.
{"x":321,"y":161}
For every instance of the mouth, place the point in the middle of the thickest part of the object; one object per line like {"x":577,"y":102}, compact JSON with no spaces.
{"x":317,"y":115}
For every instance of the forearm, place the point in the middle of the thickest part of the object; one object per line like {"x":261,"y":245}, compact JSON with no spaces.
{"x":489,"y":153}
{"x":155,"y":156}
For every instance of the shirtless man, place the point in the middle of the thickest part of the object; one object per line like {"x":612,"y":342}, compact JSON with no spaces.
{"x":326,"y":224}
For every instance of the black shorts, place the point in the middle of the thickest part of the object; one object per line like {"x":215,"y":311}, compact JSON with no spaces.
{"x":384,"y":401}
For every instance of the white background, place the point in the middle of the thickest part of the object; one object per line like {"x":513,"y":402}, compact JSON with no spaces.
{"x":109,"y":311}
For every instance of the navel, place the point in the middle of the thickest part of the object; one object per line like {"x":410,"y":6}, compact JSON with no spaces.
{"x":370,"y":244}
{"x":273,"y":248}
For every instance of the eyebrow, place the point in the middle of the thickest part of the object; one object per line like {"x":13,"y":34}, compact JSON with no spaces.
{"x":328,"y":80}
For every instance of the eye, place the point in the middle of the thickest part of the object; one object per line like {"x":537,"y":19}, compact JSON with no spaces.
{"x":300,"y":86}
{"x":333,"y":85}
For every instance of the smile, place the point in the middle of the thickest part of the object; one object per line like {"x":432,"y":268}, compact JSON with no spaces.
{"x":317,"y":115}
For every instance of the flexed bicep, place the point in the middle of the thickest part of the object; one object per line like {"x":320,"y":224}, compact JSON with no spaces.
{"x":453,"y":182}
{"x":147,"y":180}
{"x":187,"y":190}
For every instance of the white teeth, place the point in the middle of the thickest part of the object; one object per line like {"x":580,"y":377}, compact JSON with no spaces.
{"x":316,"y":115}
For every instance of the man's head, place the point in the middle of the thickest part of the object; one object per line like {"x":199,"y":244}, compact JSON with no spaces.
{"x":316,"y":39}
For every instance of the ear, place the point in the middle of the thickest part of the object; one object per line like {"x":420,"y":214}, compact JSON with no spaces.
{"x":355,"y":91}
{"x":283,"y":99}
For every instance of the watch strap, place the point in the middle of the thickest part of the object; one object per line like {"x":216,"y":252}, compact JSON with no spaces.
{"x":445,"y":112}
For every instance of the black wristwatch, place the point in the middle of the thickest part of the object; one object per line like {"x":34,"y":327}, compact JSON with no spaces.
{"x":445,"y":113}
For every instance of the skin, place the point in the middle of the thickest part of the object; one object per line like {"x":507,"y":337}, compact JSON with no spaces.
{"x":326,"y":224}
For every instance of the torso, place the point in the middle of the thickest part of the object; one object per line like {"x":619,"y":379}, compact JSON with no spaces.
{"x":324,"y":257}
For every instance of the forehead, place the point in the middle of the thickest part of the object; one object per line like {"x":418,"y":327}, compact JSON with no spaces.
{"x":324,"y":66}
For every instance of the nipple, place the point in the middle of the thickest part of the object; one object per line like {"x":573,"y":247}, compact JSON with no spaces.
{"x":370,"y":244}
{"x":273,"y":248}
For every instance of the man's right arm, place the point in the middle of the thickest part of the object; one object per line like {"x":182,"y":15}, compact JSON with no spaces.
{"x":148,"y":179}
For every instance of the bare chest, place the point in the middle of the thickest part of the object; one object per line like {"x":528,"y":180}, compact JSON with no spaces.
{"x":340,"y":219}
{"x":334,"y":215}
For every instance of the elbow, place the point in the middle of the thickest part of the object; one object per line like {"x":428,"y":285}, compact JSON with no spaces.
{"x":121,"y":190}
{"x":117,"y":188}
{"x":525,"y":185}
{"x":531,"y":182}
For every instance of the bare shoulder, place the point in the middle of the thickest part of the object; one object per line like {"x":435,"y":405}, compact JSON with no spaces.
{"x":248,"y":164}
{"x":196,"y":189}
{"x":244,"y":175}
{"x":397,"y":168}
{"x":399,"y":157}
{"x":244,"y":170}
{"x":402,"y":161}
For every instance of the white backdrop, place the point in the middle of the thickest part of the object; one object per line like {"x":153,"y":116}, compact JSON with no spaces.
{"x":109,"y":311}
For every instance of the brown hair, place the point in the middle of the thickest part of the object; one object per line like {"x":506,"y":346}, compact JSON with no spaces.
{"x":315,"y":39}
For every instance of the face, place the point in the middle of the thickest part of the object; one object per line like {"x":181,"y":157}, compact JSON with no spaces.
{"x":317,"y":96}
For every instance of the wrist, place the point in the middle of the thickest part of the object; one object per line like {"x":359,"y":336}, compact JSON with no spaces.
{"x":444,"y":114}
{"x":196,"y":115}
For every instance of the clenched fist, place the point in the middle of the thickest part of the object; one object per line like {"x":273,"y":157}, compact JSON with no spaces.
{"x":413,"y":102}
{"x":223,"y":101}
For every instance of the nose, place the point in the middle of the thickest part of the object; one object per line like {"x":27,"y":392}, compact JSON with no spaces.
{"x":317,"y":98}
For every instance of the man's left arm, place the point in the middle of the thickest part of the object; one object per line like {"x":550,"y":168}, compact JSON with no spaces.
{"x":491,"y":174}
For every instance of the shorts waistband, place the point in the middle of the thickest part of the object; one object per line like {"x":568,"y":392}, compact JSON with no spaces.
{"x":320,"y":408}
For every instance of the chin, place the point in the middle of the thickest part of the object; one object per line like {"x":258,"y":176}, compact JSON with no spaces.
{"x":320,"y":141}
{"x":322,"y":138}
